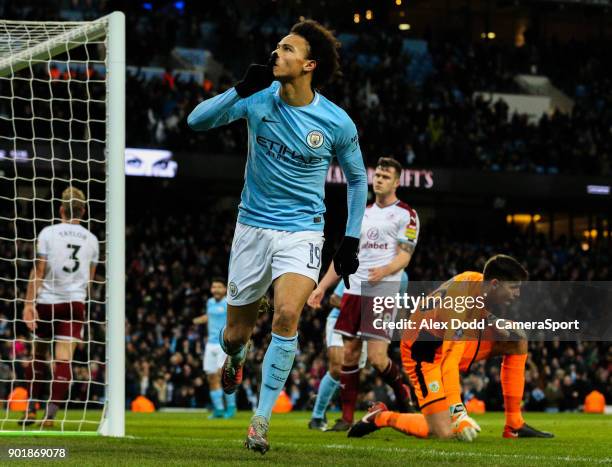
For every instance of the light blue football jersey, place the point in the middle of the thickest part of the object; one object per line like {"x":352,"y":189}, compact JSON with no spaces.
{"x":217,"y":315}
{"x":289,"y":153}
{"x":339,"y":291}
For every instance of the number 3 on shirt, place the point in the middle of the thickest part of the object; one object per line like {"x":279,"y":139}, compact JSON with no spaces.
{"x":315,"y":257}
{"x":75,"y":251}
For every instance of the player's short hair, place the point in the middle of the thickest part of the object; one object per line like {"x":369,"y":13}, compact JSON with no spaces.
{"x":218,"y":279}
{"x":389,"y":162}
{"x":504,"y":268}
{"x":73,"y":202}
{"x":322,"y":47}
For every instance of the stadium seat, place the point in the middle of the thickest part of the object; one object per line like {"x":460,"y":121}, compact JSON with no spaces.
{"x":594,"y":402}
{"x":142,"y":404}
{"x":475,"y":406}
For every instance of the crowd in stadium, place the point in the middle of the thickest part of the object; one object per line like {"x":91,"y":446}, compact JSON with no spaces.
{"x":426,"y":121}
{"x":436,"y":124}
{"x":172,"y":260}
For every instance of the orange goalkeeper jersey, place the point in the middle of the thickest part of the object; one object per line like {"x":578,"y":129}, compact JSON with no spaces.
{"x":459,"y":298}
{"x":433,"y":345}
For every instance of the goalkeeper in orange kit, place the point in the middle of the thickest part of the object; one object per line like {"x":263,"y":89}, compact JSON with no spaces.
{"x":433,"y":358}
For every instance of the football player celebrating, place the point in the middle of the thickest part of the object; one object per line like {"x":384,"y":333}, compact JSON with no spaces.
{"x":294,"y":133}
{"x":434,"y":356}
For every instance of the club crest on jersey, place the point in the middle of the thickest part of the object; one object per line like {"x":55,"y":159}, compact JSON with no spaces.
{"x":315,"y":139}
{"x":233,"y":289}
{"x":373,"y":233}
{"x":434,"y":386}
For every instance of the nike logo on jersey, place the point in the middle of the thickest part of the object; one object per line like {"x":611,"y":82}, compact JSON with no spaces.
{"x":267,"y":120}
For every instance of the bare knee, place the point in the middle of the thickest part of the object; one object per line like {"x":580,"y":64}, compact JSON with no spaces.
{"x":336,"y":357}
{"x":379,"y":360}
{"x":335,"y":367}
{"x":519,"y":347}
{"x":285,"y":321}
{"x":352,"y":351}
{"x":522,"y":347}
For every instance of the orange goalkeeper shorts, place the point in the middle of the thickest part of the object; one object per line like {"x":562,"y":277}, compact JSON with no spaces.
{"x":421,"y":361}
{"x":475,"y":351}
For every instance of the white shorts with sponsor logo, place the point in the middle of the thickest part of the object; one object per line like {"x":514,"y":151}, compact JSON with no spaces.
{"x":260,"y":255}
{"x":333,"y":339}
{"x":214,"y":357}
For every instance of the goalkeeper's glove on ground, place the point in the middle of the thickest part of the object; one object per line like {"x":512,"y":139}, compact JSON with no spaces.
{"x":464,"y":426}
{"x":256,"y":78}
{"x":345,"y":259}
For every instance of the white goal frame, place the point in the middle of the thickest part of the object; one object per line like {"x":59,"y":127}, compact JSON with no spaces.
{"x":113,"y":26}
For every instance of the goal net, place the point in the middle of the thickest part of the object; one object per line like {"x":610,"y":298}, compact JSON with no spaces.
{"x":62,"y":125}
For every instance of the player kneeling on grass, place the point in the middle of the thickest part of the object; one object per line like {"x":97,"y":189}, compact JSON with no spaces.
{"x":66,"y":258}
{"x":433,"y":359}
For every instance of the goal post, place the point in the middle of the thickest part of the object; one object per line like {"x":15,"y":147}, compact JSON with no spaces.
{"x":113,"y":423}
{"x":62,"y":123}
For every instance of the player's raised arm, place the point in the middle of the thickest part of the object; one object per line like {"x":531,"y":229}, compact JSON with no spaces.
{"x":350,"y":159}
{"x":229,"y":106}
{"x":217,"y":111}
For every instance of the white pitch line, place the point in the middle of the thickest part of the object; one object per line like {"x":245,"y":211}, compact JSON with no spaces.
{"x":604,"y":460}
{"x":413,"y":451}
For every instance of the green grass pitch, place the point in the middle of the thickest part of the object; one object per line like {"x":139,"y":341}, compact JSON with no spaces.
{"x":191,"y":439}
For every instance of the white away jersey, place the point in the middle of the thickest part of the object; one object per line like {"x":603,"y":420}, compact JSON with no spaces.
{"x":70,"y":251}
{"x":382,"y":230}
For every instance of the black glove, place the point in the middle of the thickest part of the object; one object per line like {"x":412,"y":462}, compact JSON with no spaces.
{"x":256,"y":78}
{"x":345,"y":259}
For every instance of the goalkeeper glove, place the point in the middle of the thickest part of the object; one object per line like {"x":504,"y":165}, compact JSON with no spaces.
{"x":345,"y":259}
{"x":256,"y":78}
{"x":464,"y":426}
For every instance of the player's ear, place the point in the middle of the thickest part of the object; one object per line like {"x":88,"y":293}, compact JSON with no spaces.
{"x":310,"y":65}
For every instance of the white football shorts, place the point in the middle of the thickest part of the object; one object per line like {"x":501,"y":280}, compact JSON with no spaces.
{"x":261,"y":255}
{"x":214,"y":357}
{"x":334,"y":339}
